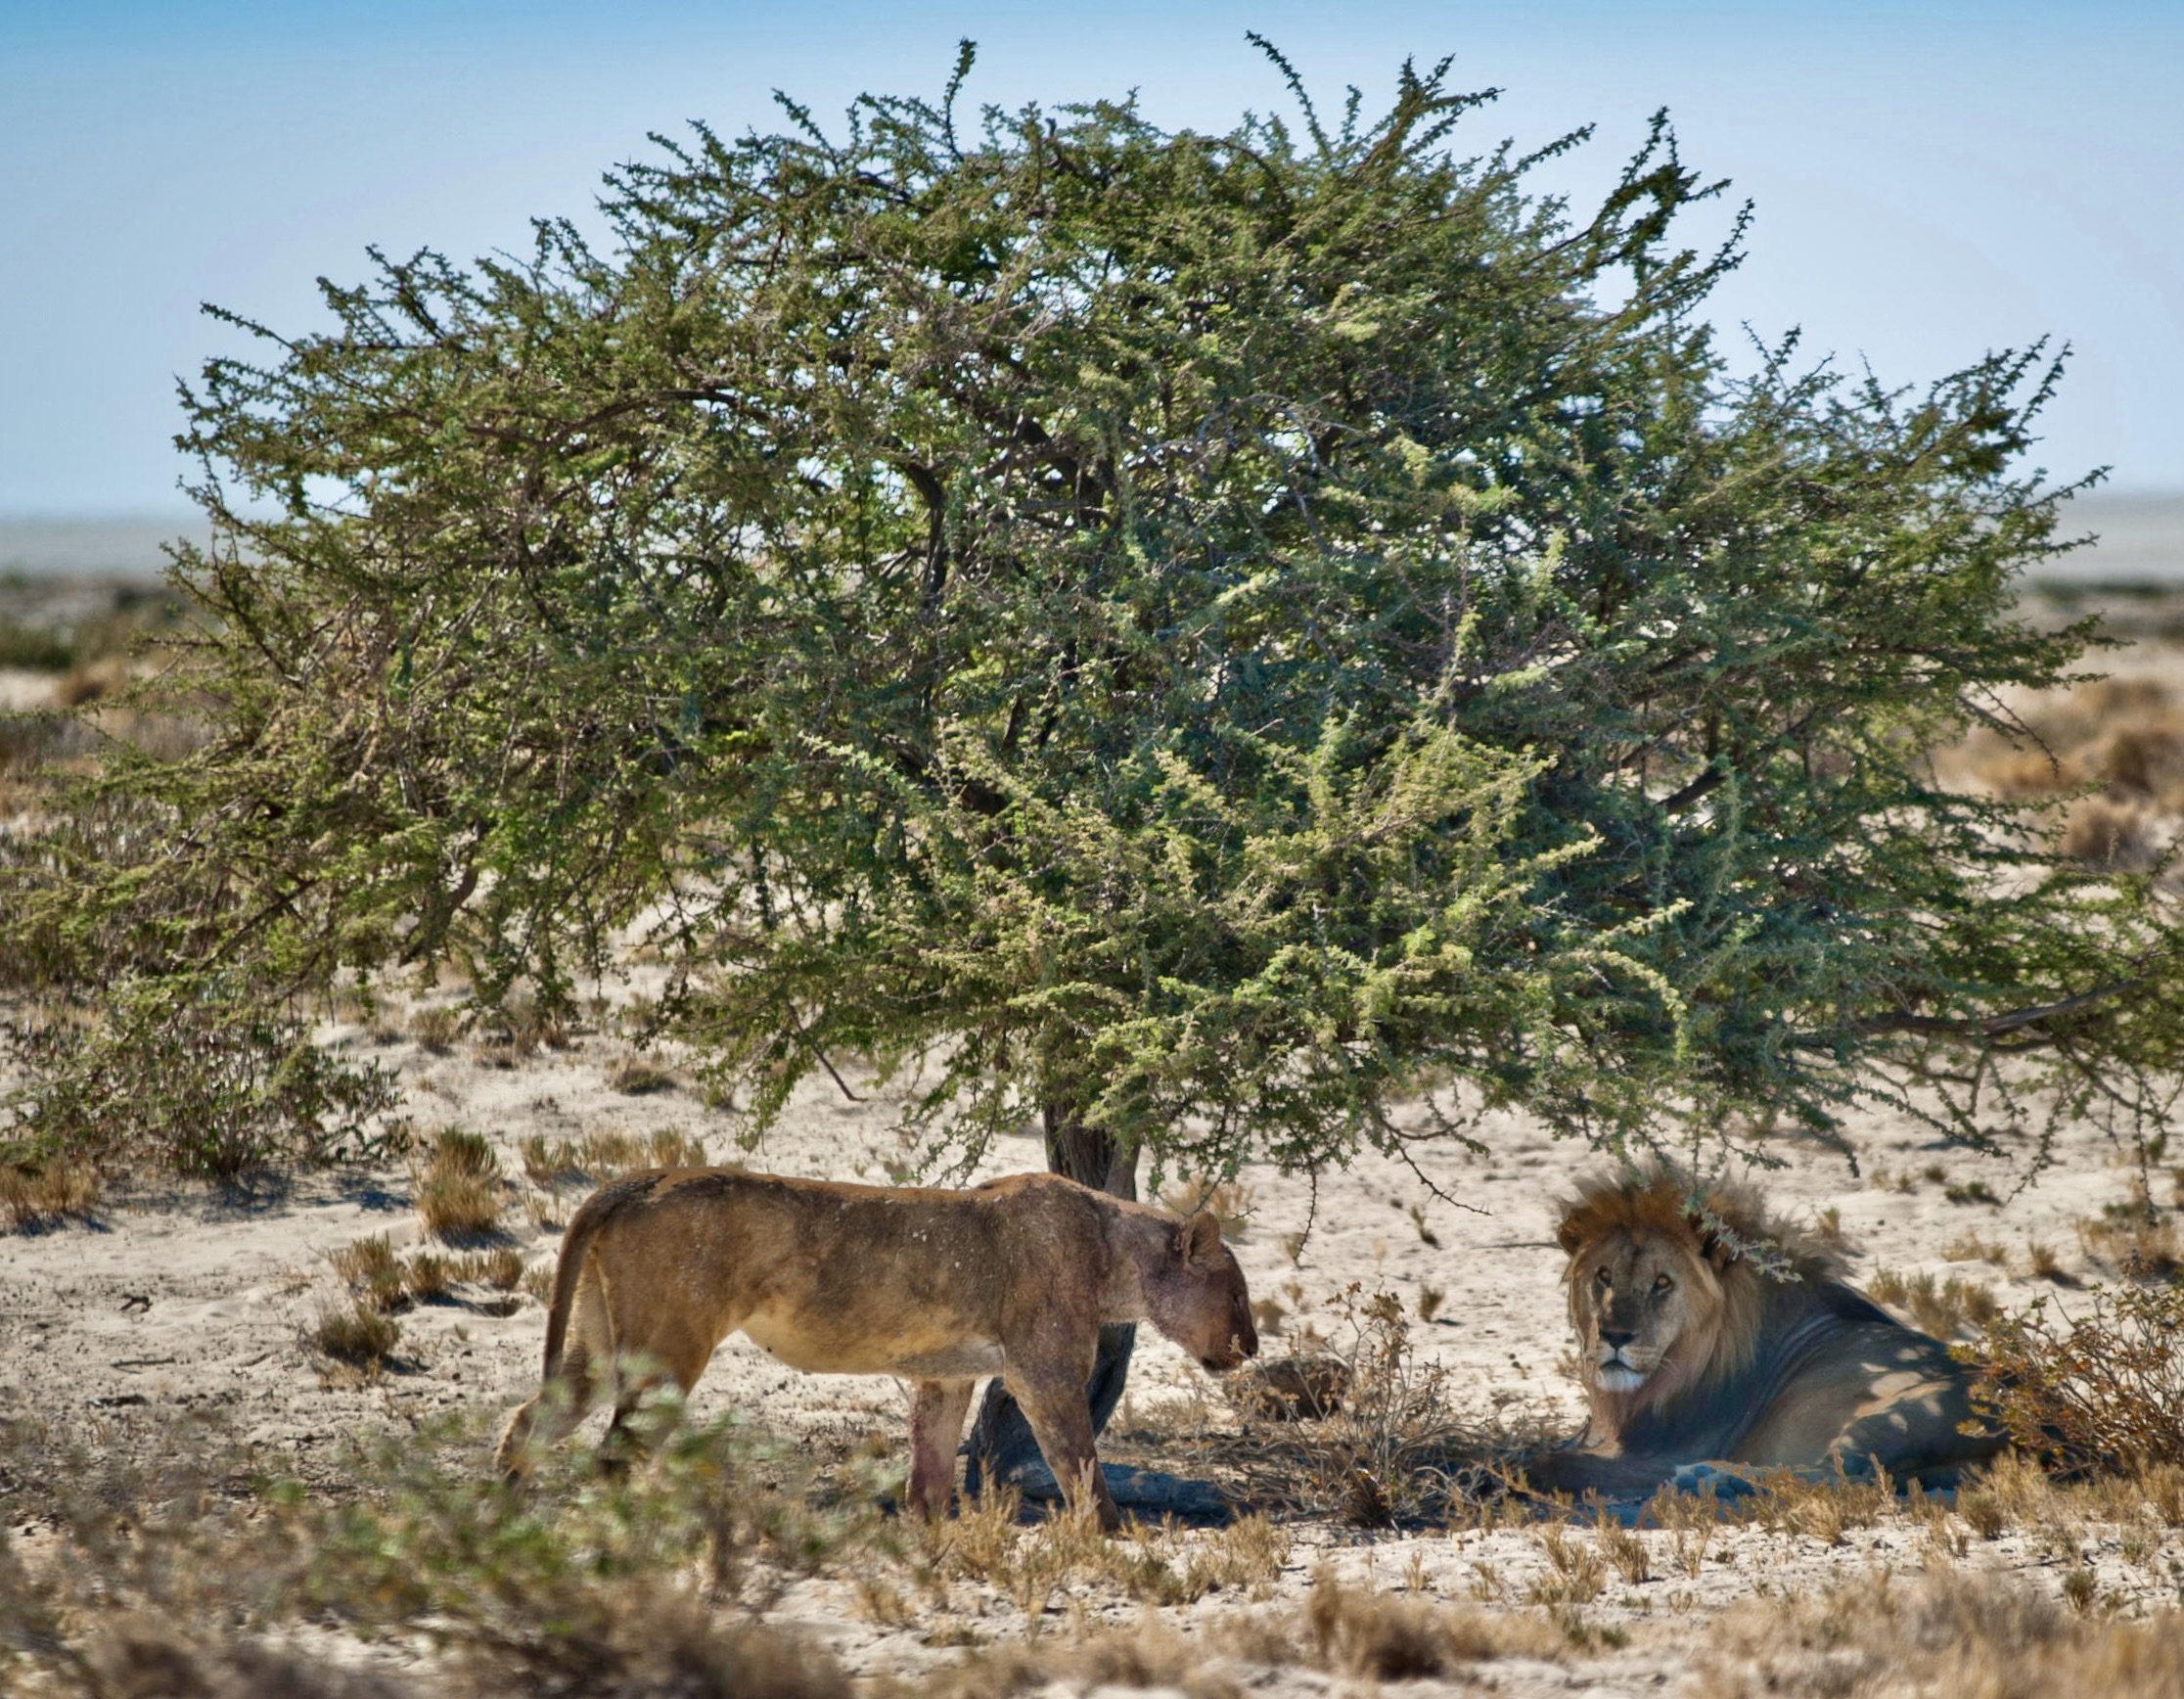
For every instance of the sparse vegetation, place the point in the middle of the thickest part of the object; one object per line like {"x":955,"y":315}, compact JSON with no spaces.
{"x":1942,"y":1307}
{"x":38,"y":1193}
{"x":359,"y":1335}
{"x":2135,"y":1239}
{"x":1387,"y":1444}
{"x":459,"y":1186}
{"x":636,"y":1076}
{"x":2102,"y":1392}
{"x":1951,"y":1632}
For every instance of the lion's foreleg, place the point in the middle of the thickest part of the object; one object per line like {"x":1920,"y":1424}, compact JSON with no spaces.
{"x":1054,"y":1403}
{"x":936,"y":1413}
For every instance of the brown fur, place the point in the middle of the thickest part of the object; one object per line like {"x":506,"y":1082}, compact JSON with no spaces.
{"x":1692,"y":1352}
{"x":1014,"y":1277}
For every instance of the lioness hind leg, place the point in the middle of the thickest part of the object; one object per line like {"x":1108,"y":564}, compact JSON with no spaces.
{"x":568,"y":1389}
{"x":936,"y":1413}
{"x":668,"y":1356}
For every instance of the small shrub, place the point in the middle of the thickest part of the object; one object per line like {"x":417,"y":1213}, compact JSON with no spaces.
{"x":358,"y":1336}
{"x":1390,"y":1447}
{"x":194,"y":1087}
{"x":436,"y":1027}
{"x":2101,"y":1393}
{"x":372,"y":1271}
{"x":43,"y":1193}
{"x":1970,"y":1248}
{"x":635,"y":1076}
{"x":457,"y":1187}
{"x":2134,"y":1239}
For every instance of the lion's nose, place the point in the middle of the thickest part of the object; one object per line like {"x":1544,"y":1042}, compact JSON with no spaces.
{"x":1616,"y":1338}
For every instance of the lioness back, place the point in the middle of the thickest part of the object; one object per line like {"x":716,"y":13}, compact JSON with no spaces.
{"x":845,"y":1279}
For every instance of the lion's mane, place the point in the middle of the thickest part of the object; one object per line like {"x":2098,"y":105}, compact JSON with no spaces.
{"x":1777,"y":1286}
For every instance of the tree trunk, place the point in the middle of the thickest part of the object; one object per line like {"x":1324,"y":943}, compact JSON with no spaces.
{"x":1001,"y":1442}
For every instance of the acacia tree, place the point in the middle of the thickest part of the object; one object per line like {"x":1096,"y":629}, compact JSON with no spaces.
{"x":1190,"y":638}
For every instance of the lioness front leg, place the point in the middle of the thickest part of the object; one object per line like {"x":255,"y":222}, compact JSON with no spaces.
{"x":1061,"y":1422}
{"x":936,"y":1413}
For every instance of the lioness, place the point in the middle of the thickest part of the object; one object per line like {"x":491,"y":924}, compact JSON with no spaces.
{"x":1014,"y":1277}
{"x":1693,"y":1354}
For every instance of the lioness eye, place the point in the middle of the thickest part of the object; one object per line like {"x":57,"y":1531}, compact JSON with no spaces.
{"x":1661,"y":1283}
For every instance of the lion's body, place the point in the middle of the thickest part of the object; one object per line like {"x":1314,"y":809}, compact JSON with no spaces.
{"x":1014,"y":1277}
{"x":1693,"y":1353}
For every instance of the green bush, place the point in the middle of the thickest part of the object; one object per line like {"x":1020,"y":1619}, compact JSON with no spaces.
{"x":1198,"y":636}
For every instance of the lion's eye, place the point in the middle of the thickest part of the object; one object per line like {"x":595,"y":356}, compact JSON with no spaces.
{"x":1661,"y":1283}
{"x":1602,"y":1277}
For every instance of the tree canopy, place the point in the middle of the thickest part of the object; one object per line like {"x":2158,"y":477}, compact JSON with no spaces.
{"x":1198,"y":636}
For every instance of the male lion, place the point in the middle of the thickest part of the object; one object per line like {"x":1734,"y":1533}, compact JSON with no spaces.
{"x":1693,"y":1354}
{"x":1014,"y":1277}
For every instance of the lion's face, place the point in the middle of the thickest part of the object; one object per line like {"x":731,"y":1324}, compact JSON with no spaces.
{"x":1197,"y":1297}
{"x":1635,"y":1298}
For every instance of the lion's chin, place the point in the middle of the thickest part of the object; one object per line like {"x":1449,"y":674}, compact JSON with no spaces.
{"x":1619,"y":1378}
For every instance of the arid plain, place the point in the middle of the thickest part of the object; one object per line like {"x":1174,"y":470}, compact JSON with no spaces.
{"x":172,"y":1317}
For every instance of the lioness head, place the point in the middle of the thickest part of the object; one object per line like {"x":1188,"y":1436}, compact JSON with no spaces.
{"x":1195,"y":1294}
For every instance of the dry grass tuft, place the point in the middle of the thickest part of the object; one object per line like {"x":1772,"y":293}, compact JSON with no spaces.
{"x":436,"y":1027}
{"x":1577,"y":1569}
{"x":635,"y":1076}
{"x":146,"y":1656}
{"x":359,"y":1337}
{"x":1943,"y":1309}
{"x":605,"y":1155}
{"x":1379,"y":1638}
{"x":1229,"y":1201}
{"x":1970,"y":1248}
{"x":372,"y":1271}
{"x":1979,"y":1635}
{"x":1151,"y":1655}
{"x":459,"y":1186}
{"x":2106,"y":834}
{"x":38,"y":1194}
{"x":2135,"y":1239}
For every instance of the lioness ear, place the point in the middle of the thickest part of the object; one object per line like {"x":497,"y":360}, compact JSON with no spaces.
{"x":1198,"y":1239}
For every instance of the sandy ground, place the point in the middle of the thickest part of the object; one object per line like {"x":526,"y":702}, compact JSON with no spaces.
{"x":184,"y":1302}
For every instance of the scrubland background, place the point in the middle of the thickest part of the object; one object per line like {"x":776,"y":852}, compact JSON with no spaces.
{"x":242,"y":1432}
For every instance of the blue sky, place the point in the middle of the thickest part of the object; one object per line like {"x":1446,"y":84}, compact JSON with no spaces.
{"x":1931,"y":180}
